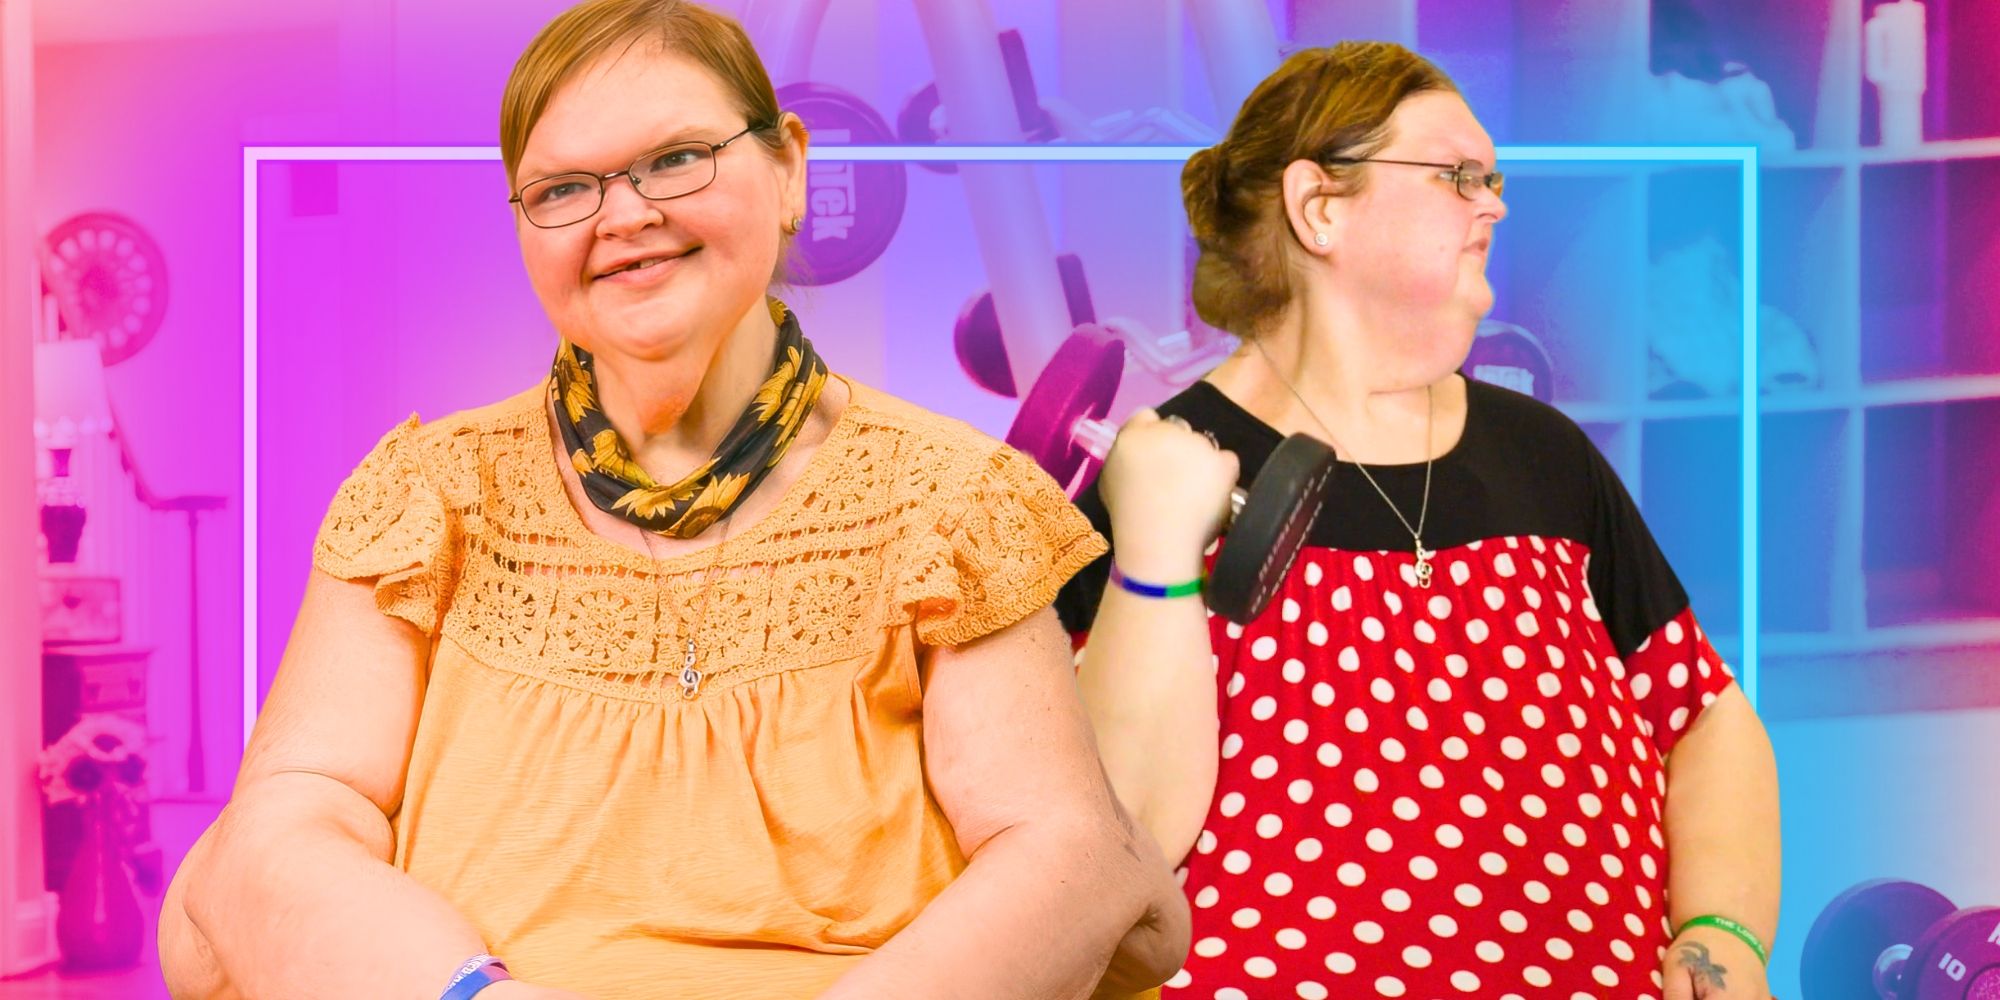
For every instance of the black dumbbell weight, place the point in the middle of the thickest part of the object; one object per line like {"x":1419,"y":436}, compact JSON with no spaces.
{"x":1061,"y":426}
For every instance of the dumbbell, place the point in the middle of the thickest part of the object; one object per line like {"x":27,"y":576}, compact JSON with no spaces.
{"x":976,"y":337}
{"x":1176,"y":358}
{"x":1061,"y":426}
{"x":920,"y":124}
{"x":1507,"y":355}
{"x":1896,"y":940}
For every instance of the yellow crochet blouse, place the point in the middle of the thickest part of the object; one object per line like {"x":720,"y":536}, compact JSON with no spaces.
{"x":604,"y":834}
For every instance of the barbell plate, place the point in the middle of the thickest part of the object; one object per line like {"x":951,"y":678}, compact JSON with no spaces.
{"x":1079,"y":381}
{"x":1837,"y":961}
{"x":852,"y":209}
{"x":1955,"y":953}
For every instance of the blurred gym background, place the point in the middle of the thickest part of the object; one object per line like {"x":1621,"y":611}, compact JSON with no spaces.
{"x":123,"y":336}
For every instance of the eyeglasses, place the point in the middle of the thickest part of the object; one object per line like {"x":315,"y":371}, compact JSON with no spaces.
{"x":1467,"y":176}
{"x":671,"y":171}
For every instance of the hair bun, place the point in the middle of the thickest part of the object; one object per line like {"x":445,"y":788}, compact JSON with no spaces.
{"x":1317,"y":100}
{"x":1202,"y":190}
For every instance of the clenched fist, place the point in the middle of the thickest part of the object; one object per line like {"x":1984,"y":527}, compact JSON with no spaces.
{"x":1167,"y":489}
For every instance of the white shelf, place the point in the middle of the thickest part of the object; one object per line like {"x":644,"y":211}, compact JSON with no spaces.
{"x":1812,"y":401}
{"x":1896,"y":392}
{"x":1596,"y":413}
{"x":1942,"y":151}
{"x":1934,"y":389}
{"x":1687,"y":409}
{"x":1969,"y":632}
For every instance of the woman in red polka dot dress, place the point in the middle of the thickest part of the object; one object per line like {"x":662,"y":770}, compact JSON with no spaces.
{"x":1478,"y":745}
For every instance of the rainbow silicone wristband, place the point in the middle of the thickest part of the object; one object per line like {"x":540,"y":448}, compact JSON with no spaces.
{"x":1191,"y":588}
{"x":1745,"y":934}
{"x":474,"y":974}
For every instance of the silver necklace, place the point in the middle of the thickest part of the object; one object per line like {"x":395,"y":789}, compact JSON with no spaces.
{"x":1424,"y":555}
{"x":691,"y":675}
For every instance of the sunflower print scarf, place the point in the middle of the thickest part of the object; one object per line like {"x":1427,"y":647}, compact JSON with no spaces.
{"x":618,"y":486}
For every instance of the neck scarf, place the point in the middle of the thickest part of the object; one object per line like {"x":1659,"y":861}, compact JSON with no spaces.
{"x":683,"y":509}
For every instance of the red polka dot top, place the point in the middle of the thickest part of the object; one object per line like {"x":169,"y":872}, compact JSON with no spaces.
{"x":1445,"y":791}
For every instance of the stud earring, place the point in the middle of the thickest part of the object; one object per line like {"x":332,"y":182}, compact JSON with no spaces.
{"x":1319,"y":239}
{"x":792,"y":227}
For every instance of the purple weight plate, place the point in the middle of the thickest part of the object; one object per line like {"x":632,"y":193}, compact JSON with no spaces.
{"x":1955,"y":953}
{"x":1080,"y":381}
{"x":1506,"y":355}
{"x":981,"y":347}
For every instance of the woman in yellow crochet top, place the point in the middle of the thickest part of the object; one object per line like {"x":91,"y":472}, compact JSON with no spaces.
{"x":693,"y":671}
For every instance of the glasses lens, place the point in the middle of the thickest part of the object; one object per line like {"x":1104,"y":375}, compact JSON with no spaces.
{"x":1470,"y":176}
{"x":561,"y":200}
{"x":1473,"y":175}
{"x":675,"y":170}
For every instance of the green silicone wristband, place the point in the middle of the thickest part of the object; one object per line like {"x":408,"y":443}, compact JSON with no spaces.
{"x":1191,"y":588}
{"x":1747,"y":935}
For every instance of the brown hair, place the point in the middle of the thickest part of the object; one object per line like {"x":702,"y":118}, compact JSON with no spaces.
{"x":1320,"y":104}
{"x":593,"y":28}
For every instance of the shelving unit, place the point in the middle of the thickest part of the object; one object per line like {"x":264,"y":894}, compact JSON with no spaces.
{"x":1879,"y":518}
{"x":1894,"y":256}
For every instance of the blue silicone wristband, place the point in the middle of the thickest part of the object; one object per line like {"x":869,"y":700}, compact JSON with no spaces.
{"x":475,"y":974}
{"x":1191,"y":588}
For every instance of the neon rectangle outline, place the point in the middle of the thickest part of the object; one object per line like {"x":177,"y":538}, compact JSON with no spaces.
{"x":1744,"y":157}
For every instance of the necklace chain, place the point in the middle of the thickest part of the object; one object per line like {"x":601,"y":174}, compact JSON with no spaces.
{"x":1423,"y":568}
{"x":691,"y":676}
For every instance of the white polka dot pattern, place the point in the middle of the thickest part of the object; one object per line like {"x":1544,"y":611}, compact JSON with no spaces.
{"x":1466,"y":808}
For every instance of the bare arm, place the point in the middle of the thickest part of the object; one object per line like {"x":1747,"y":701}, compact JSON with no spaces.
{"x":1722,"y":838}
{"x":291,"y":892}
{"x":1148,"y":673}
{"x":1059,"y":883}
{"x":1148,"y":681}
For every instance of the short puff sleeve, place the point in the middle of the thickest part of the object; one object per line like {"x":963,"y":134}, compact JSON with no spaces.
{"x":1006,"y":541}
{"x":389,"y":523}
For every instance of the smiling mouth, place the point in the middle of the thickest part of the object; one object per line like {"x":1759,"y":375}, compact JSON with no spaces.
{"x":646,"y":264}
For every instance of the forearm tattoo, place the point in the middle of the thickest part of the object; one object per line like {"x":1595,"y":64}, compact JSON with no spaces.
{"x":1701,"y":968}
